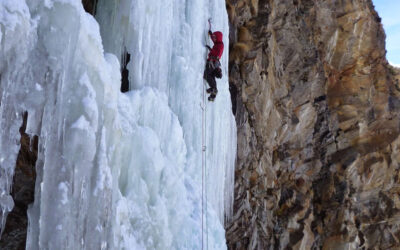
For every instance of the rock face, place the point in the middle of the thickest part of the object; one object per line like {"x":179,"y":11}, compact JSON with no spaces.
{"x":317,"y":111}
{"x":14,"y":235}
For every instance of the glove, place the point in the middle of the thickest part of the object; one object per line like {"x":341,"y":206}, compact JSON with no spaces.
{"x":208,"y":47}
{"x":209,"y":32}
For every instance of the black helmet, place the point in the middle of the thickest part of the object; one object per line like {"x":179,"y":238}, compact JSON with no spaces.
{"x":218,"y":73}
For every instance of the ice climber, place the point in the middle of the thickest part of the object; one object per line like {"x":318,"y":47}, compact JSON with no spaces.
{"x":213,"y":66}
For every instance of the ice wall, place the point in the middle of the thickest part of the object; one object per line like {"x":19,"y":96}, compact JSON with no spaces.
{"x":116,"y":171}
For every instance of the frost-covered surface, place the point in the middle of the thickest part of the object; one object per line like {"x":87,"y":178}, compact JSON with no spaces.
{"x":115,"y":171}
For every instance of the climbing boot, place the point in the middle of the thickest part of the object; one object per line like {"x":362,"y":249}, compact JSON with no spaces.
{"x":211,"y":98}
{"x":209,"y":90}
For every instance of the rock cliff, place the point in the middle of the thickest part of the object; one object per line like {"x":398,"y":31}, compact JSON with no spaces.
{"x":14,"y":234}
{"x":317,"y":110}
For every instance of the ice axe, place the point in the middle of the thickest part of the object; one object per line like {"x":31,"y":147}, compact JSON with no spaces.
{"x":209,"y":23}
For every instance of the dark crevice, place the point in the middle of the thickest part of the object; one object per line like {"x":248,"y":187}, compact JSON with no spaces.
{"x":90,"y":6}
{"x":23,"y":187}
{"x":234,"y":92}
{"x":126,"y":57}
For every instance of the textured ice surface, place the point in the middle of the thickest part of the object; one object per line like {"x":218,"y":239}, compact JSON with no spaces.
{"x":116,"y":171}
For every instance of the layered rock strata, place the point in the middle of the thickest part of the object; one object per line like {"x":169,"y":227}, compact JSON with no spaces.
{"x":317,"y":110}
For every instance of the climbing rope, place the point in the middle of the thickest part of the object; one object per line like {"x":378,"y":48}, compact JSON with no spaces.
{"x":202,"y":168}
{"x":205,"y":143}
{"x":205,"y":168}
{"x":204,"y":171}
{"x":204,"y":165}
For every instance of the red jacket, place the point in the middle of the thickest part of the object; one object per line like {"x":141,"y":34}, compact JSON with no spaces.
{"x":218,"y":48}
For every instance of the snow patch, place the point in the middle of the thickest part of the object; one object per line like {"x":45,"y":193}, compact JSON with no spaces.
{"x":395,"y":64}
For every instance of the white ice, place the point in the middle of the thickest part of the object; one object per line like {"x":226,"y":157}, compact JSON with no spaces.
{"x":117,"y":170}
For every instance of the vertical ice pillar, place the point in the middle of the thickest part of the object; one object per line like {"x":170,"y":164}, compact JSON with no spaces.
{"x":166,"y":42}
{"x":15,"y":43}
{"x":73,"y":194}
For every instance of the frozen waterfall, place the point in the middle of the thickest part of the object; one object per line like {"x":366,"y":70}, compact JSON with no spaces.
{"x":116,"y":170}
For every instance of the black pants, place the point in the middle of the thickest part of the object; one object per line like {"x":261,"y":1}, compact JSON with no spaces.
{"x":209,"y":75}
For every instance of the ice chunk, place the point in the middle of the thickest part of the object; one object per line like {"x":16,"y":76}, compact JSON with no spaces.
{"x":82,"y":124}
{"x":38,"y":87}
{"x":48,"y":4}
{"x":7,"y":202}
{"x":63,"y":188}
